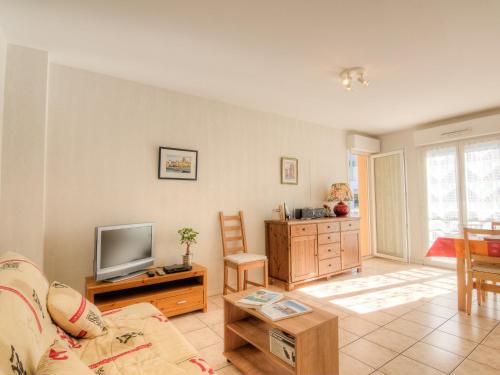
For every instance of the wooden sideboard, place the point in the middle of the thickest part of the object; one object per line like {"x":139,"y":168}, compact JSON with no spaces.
{"x":304,"y":250}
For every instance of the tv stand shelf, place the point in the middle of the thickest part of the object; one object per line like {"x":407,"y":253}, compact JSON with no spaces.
{"x":172,"y":294}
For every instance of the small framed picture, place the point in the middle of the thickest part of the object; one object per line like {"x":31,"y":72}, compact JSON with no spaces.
{"x":289,"y":171}
{"x":177,"y":164}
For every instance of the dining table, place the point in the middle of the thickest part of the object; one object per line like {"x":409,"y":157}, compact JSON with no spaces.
{"x":454,"y":247}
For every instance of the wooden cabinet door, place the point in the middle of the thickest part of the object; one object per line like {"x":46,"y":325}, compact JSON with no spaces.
{"x":349,"y":243}
{"x":304,"y":259}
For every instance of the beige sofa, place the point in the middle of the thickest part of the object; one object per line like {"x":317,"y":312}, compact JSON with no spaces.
{"x":138,"y":339}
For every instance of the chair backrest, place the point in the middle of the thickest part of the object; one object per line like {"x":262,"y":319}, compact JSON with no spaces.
{"x":471,"y":257}
{"x":232,"y":230}
{"x":495,"y":225}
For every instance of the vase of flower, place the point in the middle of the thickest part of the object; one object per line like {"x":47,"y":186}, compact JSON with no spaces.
{"x":188,"y":237}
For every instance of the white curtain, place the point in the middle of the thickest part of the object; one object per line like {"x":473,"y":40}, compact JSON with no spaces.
{"x":482,"y":182}
{"x":462,"y":185}
{"x":443,"y":214}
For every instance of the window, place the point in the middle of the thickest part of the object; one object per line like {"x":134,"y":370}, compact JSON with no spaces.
{"x":354,"y":184}
{"x":462,"y":186}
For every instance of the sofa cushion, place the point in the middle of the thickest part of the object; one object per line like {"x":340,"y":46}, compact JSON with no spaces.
{"x":60,"y":360}
{"x":140,"y":339}
{"x":26,"y":329}
{"x":73,"y":312}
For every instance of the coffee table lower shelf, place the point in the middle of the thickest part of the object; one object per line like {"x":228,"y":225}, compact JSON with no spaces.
{"x":251,"y":360}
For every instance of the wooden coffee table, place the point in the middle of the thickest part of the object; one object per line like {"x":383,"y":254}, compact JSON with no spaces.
{"x":246,"y":340}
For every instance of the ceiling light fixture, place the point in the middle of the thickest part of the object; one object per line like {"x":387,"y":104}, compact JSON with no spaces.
{"x":347,"y":74}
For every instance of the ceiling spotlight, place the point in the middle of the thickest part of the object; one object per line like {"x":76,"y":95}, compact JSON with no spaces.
{"x":358,"y":72}
{"x":362,"y":79}
{"x":346,"y":81}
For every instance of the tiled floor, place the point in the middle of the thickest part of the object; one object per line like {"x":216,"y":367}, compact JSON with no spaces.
{"x":395,"y":319}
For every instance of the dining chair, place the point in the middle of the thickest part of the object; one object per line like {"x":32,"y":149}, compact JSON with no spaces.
{"x":236,"y":255}
{"x":481,"y":268}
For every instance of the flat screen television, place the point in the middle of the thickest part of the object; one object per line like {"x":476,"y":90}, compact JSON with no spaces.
{"x":123,"y":251}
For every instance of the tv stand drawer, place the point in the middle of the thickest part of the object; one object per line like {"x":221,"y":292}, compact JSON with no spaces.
{"x":186,"y":301}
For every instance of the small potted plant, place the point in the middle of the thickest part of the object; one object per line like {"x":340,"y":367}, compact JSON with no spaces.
{"x":188,"y":237}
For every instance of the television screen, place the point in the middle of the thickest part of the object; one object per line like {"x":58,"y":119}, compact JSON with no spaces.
{"x":125,"y":245}
{"x":123,"y":250}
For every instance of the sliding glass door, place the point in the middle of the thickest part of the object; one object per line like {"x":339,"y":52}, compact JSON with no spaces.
{"x":462,"y":187}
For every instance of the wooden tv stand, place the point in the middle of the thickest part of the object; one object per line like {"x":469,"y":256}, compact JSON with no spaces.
{"x":172,"y":294}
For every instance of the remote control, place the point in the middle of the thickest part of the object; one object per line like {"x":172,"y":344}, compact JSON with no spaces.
{"x":160,"y":272}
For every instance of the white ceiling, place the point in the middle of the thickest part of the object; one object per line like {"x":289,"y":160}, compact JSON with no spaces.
{"x":426,"y":59}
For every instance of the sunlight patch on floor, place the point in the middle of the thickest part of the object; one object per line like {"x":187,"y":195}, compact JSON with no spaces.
{"x":336,"y":288}
{"x":384,"y":299}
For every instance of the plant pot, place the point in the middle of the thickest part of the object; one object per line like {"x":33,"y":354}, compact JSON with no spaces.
{"x":187,"y":259}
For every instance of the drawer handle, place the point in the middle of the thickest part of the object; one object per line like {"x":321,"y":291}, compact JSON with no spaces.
{"x":329,"y":250}
{"x":303,"y":228}
{"x":328,"y":227}
{"x":329,"y":265}
{"x":181,"y":302}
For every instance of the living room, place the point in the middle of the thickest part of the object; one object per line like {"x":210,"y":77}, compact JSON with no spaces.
{"x":278,"y":108}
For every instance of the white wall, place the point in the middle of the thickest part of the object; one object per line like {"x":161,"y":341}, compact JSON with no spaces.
{"x":23,"y":153}
{"x":103,"y":140}
{"x":403,"y":140}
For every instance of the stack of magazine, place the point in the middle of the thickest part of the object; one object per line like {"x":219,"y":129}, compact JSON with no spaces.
{"x":268,"y":304}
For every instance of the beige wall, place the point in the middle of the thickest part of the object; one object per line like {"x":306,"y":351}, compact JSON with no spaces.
{"x":3,"y":61}
{"x":103,"y":143}
{"x":403,"y":140}
{"x":23,"y":153}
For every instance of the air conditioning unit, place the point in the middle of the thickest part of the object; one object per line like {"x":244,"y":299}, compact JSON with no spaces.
{"x":459,"y":130}
{"x":360,"y":144}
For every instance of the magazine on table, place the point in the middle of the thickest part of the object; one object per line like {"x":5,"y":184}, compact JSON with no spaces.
{"x":284,"y":309}
{"x":260,"y":298}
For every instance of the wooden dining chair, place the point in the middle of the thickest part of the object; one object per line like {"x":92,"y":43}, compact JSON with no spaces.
{"x":480,"y":268}
{"x":236,"y":256}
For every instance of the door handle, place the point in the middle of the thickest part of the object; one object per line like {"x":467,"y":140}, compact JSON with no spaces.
{"x":181,"y":302}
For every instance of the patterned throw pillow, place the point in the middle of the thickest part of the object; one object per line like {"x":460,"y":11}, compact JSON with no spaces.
{"x":73,"y":312}
{"x":60,"y":360}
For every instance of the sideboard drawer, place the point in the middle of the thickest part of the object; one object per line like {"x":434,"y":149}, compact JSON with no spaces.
{"x":181,"y":301}
{"x":303,"y":230}
{"x":328,"y":227}
{"x":329,"y":265}
{"x":327,"y":238}
{"x":349,"y":225}
{"x":329,"y":251}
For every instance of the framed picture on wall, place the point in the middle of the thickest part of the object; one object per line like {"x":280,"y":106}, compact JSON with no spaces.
{"x":289,"y":171}
{"x":177,"y":164}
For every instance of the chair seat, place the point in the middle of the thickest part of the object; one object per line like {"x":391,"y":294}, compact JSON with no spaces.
{"x":242,"y":258}
{"x":489,"y":268}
